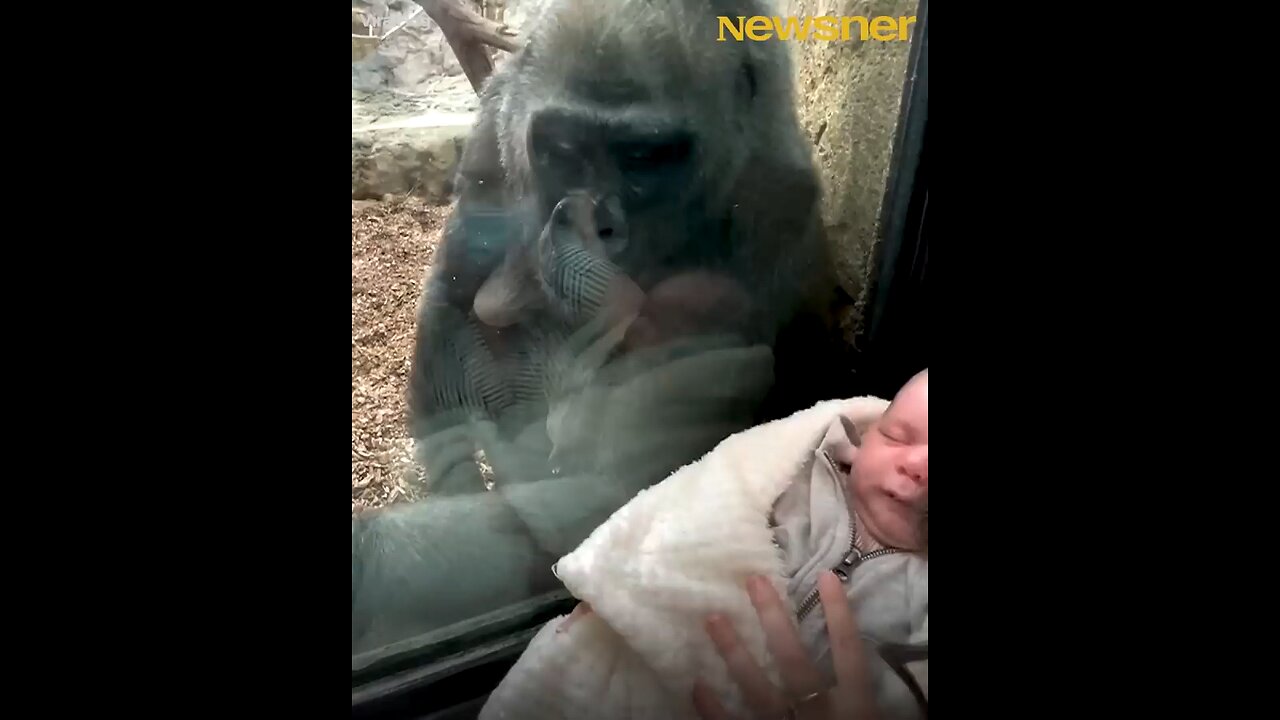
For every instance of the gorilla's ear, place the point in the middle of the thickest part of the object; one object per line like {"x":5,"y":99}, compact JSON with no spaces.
{"x":511,"y":290}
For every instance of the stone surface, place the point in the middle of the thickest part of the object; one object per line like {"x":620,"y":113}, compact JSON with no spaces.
{"x":411,"y":153}
{"x":413,"y":58}
{"x":408,"y":58}
{"x":411,"y":105}
{"x":850,"y":92}
{"x":362,"y":46}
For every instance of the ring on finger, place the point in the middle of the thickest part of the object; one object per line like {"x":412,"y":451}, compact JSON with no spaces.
{"x":793,"y":712}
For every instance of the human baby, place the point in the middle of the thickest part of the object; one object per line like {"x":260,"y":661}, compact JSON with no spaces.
{"x":849,"y":486}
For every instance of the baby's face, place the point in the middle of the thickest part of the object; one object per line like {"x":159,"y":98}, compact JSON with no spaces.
{"x":891,"y":469}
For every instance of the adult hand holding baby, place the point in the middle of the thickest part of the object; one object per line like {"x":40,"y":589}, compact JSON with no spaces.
{"x":804,"y":695}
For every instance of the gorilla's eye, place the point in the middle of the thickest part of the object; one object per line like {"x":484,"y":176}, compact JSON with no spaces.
{"x":642,"y":156}
{"x":559,"y":151}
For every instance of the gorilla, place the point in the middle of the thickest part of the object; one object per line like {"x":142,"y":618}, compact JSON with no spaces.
{"x":691,"y":156}
{"x":634,"y":270}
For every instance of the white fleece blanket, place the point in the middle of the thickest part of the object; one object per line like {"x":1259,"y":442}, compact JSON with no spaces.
{"x":675,"y":553}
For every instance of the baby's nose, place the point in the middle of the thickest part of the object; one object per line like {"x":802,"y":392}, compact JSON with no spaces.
{"x":916,"y":466}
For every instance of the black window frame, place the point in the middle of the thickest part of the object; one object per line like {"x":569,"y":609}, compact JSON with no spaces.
{"x":895,"y":345}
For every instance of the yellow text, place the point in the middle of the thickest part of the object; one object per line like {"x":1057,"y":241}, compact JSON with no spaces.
{"x":824,"y":29}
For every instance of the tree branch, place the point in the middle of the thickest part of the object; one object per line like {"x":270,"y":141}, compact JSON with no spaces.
{"x":467,"y":32}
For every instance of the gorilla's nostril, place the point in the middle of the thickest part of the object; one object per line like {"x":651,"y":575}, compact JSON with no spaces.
{"x":609,"y":217}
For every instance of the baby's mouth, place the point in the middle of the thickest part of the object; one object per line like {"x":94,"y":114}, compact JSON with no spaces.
{"x":903,"y":503}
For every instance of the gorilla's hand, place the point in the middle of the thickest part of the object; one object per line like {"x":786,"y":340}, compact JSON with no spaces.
{"x":655,"y":409}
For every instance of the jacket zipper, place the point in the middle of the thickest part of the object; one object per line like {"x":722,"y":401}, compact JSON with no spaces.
{"x":853,"y":557}
{"x":844,"y":571}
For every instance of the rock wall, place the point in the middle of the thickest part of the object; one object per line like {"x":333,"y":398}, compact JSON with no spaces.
{"x":418,"y":160}
{"x":415,"y":58}
{"x":402,"y":144}
{"x":411,"y":105}
{"x":850,"y":92}
{"x":410,"y":58}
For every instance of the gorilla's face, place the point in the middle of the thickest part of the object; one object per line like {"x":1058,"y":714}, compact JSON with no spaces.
{"x":639,"y":172}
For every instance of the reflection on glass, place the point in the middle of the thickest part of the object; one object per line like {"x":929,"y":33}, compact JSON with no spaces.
{"x":564,"y":291}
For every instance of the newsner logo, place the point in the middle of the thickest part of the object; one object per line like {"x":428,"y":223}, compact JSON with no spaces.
{"x":824,"y":29}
